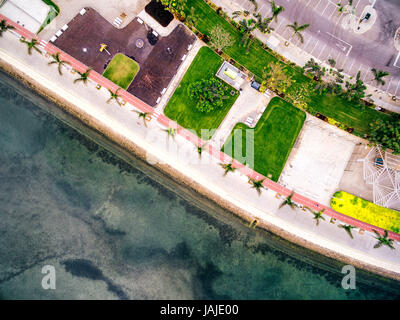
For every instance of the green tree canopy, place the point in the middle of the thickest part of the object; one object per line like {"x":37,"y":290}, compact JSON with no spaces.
{"x":209,"y":93}
{"x":386,"y":134}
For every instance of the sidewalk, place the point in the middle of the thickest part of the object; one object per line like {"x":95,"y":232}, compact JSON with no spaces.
{"x":204,"y":174}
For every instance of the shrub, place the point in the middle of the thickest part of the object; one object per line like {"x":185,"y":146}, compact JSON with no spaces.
{"x":209,"y":93}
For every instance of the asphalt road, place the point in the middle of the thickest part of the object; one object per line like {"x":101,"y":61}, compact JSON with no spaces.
{"x":327,"y":38}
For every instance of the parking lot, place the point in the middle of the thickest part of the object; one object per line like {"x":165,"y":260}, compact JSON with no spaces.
{"x":328,"y":36}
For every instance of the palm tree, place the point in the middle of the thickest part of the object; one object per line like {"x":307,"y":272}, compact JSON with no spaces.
{"x":84,"y":76}
{"x":298,"y":29}
{"x":347,"y":228}
{"x":143,"y":115}
{"x":4,"y":27}
{"x":317,"y":215}
{"x":378,"y":75}
{"x":314,"y":68}
{"x":246,"y":27}
{"x":288,"y":201}
{"x":31,"y":45}
{"x":276,"y":10}
{"x":59,"y":61}
{"x":383,"y":240}
{"x":114,"y":96}
{"x":263,"y":24}
{"x":171,"y":132}
{"x":228,"y":167}
{"x":201,"y":148}
{"x":355,"y":91}
{"x":257,"y":184}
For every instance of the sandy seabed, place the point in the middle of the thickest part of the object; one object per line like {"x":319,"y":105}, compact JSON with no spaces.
{"x":206,"y":194}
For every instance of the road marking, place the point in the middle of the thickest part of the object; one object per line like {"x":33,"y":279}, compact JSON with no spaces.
{"x":317,"y":4}
{"x":344,"y":62}
{"x":397,"y":59}
{"x":314,"y":46}
{"x":311,"y":37}
{"x":355,"y":8}
{"x":322,"y":50}
{"x":268,"y":11}
{"x":394,"y":86}
{"x":354,"y":60}
{"x":340,"y":18}
{"x":343,"y":48}
{"x":397,"y":88}
{"x":336,"y":58}
{"x":325,"y":9}
{"x":298,"y":42}
{"x":359,"y":70}
{"x":357,"y":4}
{"x":390,"y":81}
{"x":333,"y":13}
{"x":329,"y":53}
{"x":280,"y":25}
{"x":366,"y":73}
{"x":262,"y":6}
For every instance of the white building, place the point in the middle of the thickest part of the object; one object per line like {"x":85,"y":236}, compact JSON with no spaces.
{"x":30,"y":14}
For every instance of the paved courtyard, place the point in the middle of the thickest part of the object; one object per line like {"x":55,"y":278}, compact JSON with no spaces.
{"x":158,"y":62}
{"x":316,"y":164}
{"x":250,"y":103}
{"x":353,"y":177}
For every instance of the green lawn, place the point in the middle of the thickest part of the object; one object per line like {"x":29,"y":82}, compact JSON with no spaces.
{"x":366,"y":211}
{"x":274,"y":136}
{"x":121,"y":70}
{"x":182,"y":109}
{"x":331,"y":106}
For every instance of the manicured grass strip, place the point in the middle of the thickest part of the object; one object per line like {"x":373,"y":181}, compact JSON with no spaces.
{"x":53,"y":13}
{"x":182,"y":109}
{"x":366,"y":211}
{"x":257,"y":58}
{"x":121,"y":70}
{"x":274,"y":137}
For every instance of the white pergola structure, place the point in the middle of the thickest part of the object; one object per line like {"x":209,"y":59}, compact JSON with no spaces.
{"x":382,"y":170}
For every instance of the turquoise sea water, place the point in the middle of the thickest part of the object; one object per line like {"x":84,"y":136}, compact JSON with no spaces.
{"x":114,"y":232}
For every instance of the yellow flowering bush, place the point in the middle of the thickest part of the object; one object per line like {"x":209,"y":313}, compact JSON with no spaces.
{"x":366,"y":211}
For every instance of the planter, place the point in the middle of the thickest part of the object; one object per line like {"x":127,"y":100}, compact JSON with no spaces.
{"x":321,"y":116}
{"x":156,"y":10}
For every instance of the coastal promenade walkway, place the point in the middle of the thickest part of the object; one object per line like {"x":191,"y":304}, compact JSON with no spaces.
{"x":188,"y":135}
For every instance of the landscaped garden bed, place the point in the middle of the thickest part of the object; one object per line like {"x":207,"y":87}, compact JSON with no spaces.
{"x":274,"y":136}
{"x":366,"y":211}
{"x":182,"y":109}
{"x":255,"y":58}
{"x":121,"y":70}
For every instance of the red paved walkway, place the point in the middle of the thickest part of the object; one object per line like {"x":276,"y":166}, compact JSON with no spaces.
{"x":196,"y":140}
